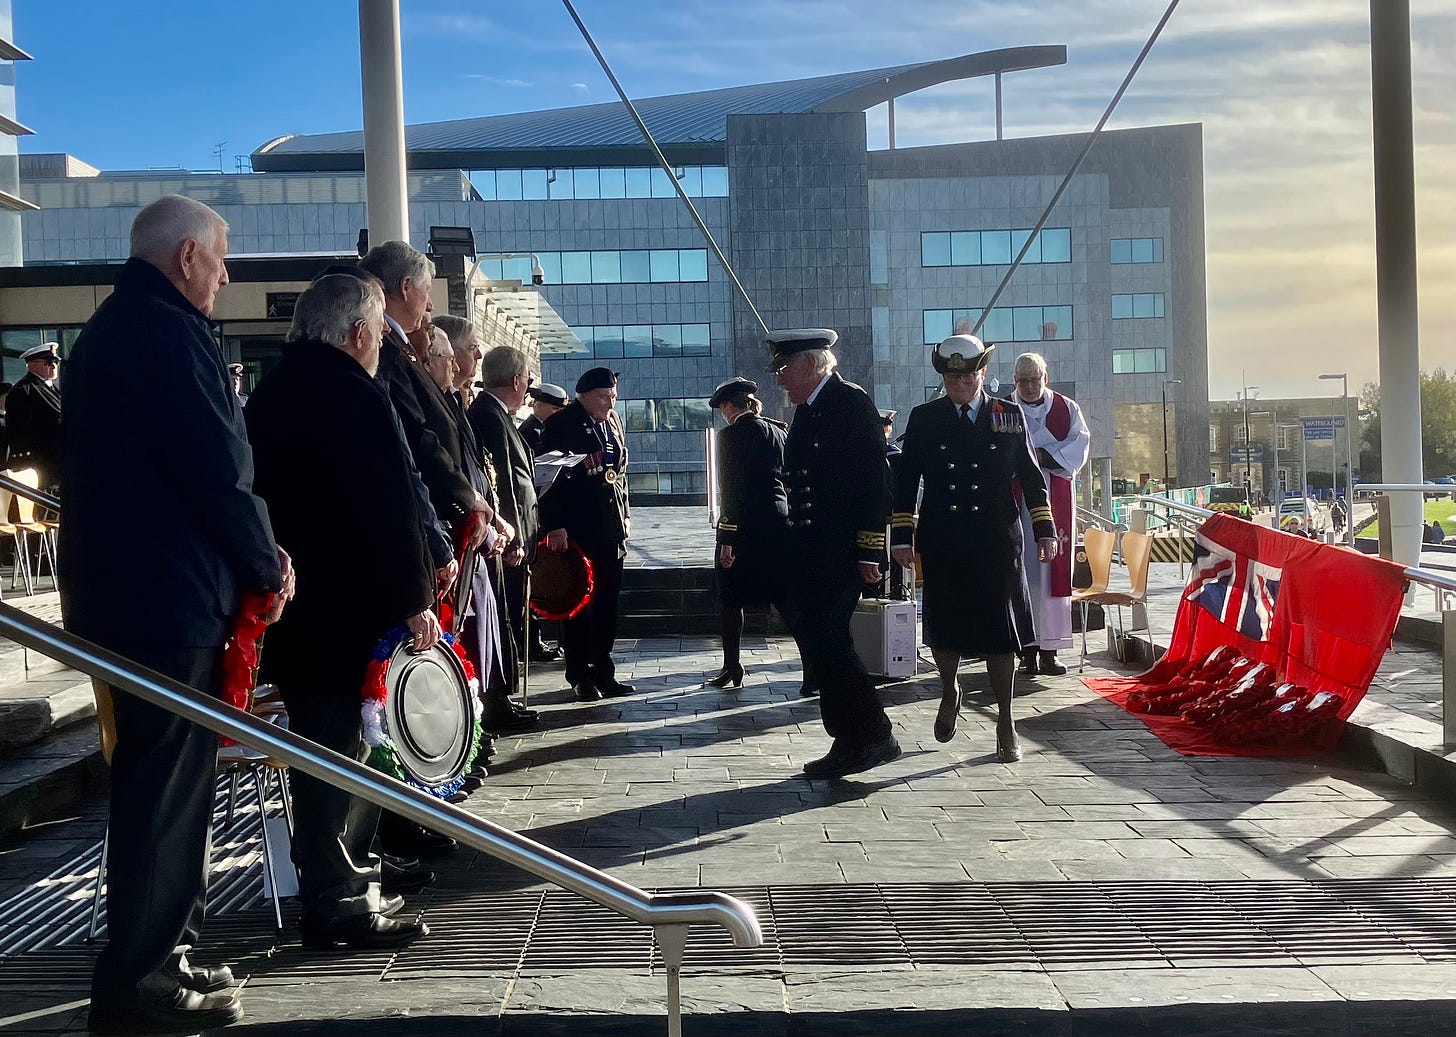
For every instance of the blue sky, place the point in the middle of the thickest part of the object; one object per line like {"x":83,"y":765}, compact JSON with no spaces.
{"x":1282,"y":90}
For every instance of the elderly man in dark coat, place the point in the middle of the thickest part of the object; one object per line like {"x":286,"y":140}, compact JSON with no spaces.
{"x":588,"y":503}
{"x":972,"y":454}
{"x":834,"y":475}
{"x":163,"y":534}
{"x":336,"y":478}
{"x":33,"y":411}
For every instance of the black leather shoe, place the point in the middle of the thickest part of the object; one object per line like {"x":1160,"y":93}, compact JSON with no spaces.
{"x":616,"y":689}
{"x":1028,"y":665}
{"x":1049,"y":664}
{"x":207,"y":980}
{"x":398,"y":863}
{"x":390,"y":904}
{"x":859,"y":758}
{"x":405,"y":880}
{"x":826,"y":764}
{"x":586,"y":691}
{"x":509,"y":718}
{"x":361,"y":932}
{"x":808,"y":689}
{"x":406,"y":839}
{"x":183,"y":1011}
{"x":730,"y":677}
{"x":545,"y":653}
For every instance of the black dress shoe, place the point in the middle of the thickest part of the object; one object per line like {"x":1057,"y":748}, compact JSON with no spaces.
{"x":390,"y":905}
{"x":826,"y":764}
{"x":614,"y":689}
{"x":809,"y":688}
{"x":730,"y":677}
{"x":398,"y":863}
{"x":586,"y":691}
{"x":1028,"y":665}
{"x":405,"y":880}
{"x":404,"y":838}
{"x":207,"y":980}
{"x":1050,"y":665}
{"x":858,"y":758}
{"x":183,"y":1011}
{"x":545,"y":653}
{"x":509,"y":718}
{"x":361,"y":932}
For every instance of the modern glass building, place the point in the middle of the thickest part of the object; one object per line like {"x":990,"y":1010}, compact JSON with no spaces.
{"x":895,"y":248}
{"x":11,"y":203}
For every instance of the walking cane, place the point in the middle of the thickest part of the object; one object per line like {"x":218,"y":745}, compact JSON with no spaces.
{"x":526,"y":645}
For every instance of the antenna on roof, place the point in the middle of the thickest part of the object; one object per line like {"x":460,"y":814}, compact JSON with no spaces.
{"x":218,"y":149}
{"x":667,"y":167}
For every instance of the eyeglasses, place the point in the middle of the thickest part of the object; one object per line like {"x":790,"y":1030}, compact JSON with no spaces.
{"x":1035,"y":380}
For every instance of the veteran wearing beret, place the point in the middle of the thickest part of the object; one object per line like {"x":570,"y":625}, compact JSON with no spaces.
{"x":971,"y":453}
{"x":587,"y":504}
{"x":834,"y":476}
{"x":33,"y":415}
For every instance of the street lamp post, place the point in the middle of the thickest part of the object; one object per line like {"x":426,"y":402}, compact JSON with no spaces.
{"x":1349,"y":457}
{"x":1166,"y":484}
{"x":1248,"y":459}
{"x":1274,"y":436}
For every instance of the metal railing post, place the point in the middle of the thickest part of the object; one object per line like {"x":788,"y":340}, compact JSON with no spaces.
{"x":672,"y":942}
{"x":1448,"y":676}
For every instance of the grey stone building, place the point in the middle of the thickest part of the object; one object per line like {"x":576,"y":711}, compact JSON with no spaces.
{"x":893,"y":248}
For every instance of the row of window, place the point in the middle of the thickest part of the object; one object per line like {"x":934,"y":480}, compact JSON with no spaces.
{"x":665,"y":415}
{"x":644,"y":340}
{"x":512,"y":185}
{"x":1137,"y":250}
{"x":667,"y":482}
{"x":614,"y":266}
{"x":1005,"y":324}
{"x":1142,"y":304}
{"x":1139,"y":361}
{"x":994,"y":247}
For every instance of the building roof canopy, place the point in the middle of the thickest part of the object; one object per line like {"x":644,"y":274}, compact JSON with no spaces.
{"x":693,"y":121}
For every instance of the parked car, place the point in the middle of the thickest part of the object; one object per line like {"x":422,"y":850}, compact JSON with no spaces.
{"x":1308,"y":510}
{"x":1442,"y":480}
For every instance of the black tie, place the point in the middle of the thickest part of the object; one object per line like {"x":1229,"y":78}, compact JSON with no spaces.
{"x":966,"y":411}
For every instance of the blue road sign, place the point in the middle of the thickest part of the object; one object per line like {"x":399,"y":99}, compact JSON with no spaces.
{"x":1316,"y":429}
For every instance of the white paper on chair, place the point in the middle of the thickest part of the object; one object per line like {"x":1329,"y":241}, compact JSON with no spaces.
{"x":550,"y":465}
{"x":280,"y":851}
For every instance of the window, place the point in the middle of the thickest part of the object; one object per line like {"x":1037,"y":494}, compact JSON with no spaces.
{"x":1213,"y":439}
{"x":879,"y":257}
{"x":507,"y":185}
{"x":1005,"y":324}
{"x":612,"y":183}
{"x":715,"y":181}
{"x":1142,"y":304}
{"x":610,"y":266}
{"x":533,"y":183}
{"x":1137,"y":250}
{"x":587,"y":183}
{"x":994,"y":247}
{"x":672,"y":415}
{"x":639,"y":182}
{"x":664,"y":264}
{"x":635,"y":267}
{"x":610,"y":342}
{"x":1139,"y":361}
{"x":559,"y":183}
{"x":606,"y":267}
{"x":693,"y":264}
{"x":576,"y":268}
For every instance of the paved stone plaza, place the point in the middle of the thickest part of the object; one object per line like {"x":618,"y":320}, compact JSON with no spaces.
{"x":1103,"y":885}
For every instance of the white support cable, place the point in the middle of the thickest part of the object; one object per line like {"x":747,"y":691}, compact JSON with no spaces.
{"x":1067,"y":180}
{"x":667,"y":166}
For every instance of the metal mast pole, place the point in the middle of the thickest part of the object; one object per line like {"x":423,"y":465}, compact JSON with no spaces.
{"x":386,"y":188}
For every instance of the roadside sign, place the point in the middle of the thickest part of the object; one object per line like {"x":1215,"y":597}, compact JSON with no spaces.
{"x":1321,"y":428}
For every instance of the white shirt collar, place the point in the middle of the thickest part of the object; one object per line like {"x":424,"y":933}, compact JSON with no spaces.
{"x":396,"y":326}
{"x":499,"y":401}
{"x":975,"y":406}
{"x":815,"y":394}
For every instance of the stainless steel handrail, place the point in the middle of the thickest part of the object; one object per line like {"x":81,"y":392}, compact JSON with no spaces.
{"x":39,"y":496}
{"x":1173,"y":505}
{"x":654,"y":909}
{"x":1094,"y":518}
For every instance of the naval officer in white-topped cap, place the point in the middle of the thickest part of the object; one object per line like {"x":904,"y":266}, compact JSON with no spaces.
{"x":835,"y":478}
{"x":33,"y":415}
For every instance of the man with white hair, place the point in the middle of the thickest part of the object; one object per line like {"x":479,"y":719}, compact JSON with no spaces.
{"x":836,"y":480}
{"x":163,"y":536}
{"x":1061,"y":440}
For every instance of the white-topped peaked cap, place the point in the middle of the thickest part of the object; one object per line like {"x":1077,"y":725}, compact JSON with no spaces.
{"x":44,"y":351}
{"x":960,"y":354}
{"x":790,"y":342}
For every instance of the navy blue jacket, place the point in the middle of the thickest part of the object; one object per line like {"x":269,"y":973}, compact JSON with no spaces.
{"x":160,"y":528}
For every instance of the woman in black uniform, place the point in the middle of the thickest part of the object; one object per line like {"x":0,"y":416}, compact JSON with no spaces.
{"x":972,"y":453}
{"x":753,"y":524}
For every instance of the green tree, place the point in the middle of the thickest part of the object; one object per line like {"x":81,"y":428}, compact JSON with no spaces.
{"x":1438,"y":426}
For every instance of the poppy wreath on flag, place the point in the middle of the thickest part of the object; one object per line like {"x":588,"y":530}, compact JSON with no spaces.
{"x":383,"y":756}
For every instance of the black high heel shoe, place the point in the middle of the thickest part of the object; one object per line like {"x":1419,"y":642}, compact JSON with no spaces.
{"x":730,"y":677}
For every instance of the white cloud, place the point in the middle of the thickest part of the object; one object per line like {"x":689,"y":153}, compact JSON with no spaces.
{"x":579,"y":87}
{"x":496,"y":80}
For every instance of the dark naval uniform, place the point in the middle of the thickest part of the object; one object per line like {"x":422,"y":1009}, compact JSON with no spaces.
{"x":969,"y":531}
{"x":834,"y":475}
{"x":755,"y":509}
{"x":590,"y":502}
{"x":34,"y":424}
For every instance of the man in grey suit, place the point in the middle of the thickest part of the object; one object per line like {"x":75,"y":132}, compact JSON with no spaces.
{"x":163,"y":535}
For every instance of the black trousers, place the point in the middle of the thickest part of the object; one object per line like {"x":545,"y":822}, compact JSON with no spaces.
{"x":338,"y":876}
{"x":163,"y":777}
{"x":821,"y":598}
{"x":588,"y":637}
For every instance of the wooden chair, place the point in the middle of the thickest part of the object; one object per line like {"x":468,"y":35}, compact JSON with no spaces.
{"x":1137,"y":550}
{"x":233,"y":759}
{"x":27,"y":522}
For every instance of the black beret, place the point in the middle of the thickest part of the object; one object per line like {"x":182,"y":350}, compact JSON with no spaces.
{"x":734,"y":389}
{"x":596,"y":378}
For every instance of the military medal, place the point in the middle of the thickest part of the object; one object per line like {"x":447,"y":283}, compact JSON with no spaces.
{"x":611,"y":475}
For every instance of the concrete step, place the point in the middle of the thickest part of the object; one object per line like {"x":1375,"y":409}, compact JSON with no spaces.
{"x":36,"y":709}
{"x":41,"y":780}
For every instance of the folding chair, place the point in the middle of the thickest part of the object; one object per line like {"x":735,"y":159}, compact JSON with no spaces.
{"x":1137,"y":550}
{"x":26,"y":522}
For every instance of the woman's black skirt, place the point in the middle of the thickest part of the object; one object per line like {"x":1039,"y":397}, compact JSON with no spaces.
{"x":977,"y":602}
{"x":757,"y":575}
